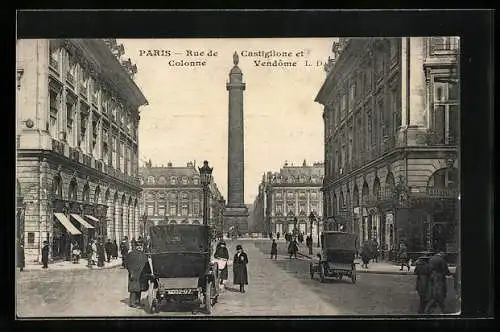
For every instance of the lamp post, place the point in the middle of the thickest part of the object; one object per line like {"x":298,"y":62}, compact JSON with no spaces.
{"x":206,"y":178}
{"x":144,"y":219}
{"x":312,"y":217}
{"x":317,"y":227}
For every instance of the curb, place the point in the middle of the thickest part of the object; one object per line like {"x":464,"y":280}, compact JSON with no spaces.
{"x":401,"y":273}
{"x":37,"y":268}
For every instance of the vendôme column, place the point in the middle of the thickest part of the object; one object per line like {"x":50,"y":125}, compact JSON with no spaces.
{"x":236,"y":212}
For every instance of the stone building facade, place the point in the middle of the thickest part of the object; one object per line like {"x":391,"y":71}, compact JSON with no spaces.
{"x":286,"y":199}
{"x":77,"y":116}
{"x":391,"y":119}
{"x":174,"y":194}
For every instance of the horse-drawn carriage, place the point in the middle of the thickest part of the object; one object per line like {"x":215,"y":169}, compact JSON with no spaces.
{"x":338,"y":251}
{"x":181,"y":267}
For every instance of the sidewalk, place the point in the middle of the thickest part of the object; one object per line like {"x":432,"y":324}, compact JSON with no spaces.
{"x":67,"y":265}
{"x":373,"y":267}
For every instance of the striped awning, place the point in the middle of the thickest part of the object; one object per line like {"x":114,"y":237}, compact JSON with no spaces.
{"x":67,"y":224}
{"x":92,"y":218}
{"x":82,"y":221}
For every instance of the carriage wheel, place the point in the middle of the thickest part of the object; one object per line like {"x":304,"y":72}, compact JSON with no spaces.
{"x":321,"y":273}
{"x":311,"y":270}
{"x":208,"y":297}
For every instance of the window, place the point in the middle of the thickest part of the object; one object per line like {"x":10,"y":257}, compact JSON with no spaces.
{"x":444,"y":91}
{"x":172,"y":180}
{"x":196,"y":180}
{"x":196,"y":208}
{"x":302,"y":195}
{"x":95,"y":132}
{"x":31,"y":238}
{"x":445,"y":118}
{"x":184,"y":180}
{"x":279,"y":195}
{"x":349,"y":145}
{"x":162,"y":180}
{"x":443,"y":44}
{"x":104,"y":101}
{"x":172,"y":209}
{"x":71,"y":72}
{"x":279,"y":208}
{"x":161,"y":195}
{"x":370,"y":133}
{"x":84,"y":84}
{"x":95,"y":92}
{"x":122,"y":155}
{"x":161,"y":210}
{"x":150,"y":210}
{"x":290,"y":195}
{"x":314,"y":195}
{"x":70,"y":113}
{"x":396,"y":112}
{"x":184,"y":210}
{"x":302,"y":207}
{"x":113,"y":151}
{"x":290,"y":207}
{"x":54,"y":113}
{"x":184,"y":196}
{"x":151,"y":180}
{"x":55,"y":54}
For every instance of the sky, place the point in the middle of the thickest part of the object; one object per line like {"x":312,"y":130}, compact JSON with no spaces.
{"x":187,"y":112}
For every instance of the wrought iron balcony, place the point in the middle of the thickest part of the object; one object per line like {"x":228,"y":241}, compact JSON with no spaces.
{"x":441,"y":138}
{"x":57,"y":146}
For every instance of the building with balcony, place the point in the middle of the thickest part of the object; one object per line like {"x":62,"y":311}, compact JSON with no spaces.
{"x":77,"y":118}
{"x":174,"y":195}
{"x":391,"y":119}
{"x":286,"y":199}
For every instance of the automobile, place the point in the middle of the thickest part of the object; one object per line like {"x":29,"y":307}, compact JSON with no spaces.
{"x":179,"y":256}
{"x":336,"y":260}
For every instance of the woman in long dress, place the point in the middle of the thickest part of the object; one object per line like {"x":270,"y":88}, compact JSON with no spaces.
{"x":222,"y":254}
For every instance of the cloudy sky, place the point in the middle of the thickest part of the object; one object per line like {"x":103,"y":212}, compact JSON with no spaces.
{"x":186,"y":119}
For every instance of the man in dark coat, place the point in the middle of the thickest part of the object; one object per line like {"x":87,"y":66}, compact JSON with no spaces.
{"x":240,"y":275}
{"x":438,"y":272}
{"x":278,"y":235}
{"x":309,"y":244}
{"x":403,"y":256}
{"x":422,"y":270}
{"x":221,"y":252}
{"x":138,"y":274}
{"x":293,"y":247}
{"x":20,"y":256}
{"x":365,"y":254}
{"x":274,"y":250}
{"x":124,"y":251}
{"x":133,"y":243}
{"x":108,"y":247}
{"x":114,"y":251}
{"x":45,"y":254}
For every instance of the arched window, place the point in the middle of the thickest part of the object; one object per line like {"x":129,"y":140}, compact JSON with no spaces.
{"x":376,"y":189}
{"x":72,"y":192}
{"x":97,"y":195}
{"x":57,"y":187}
{"x":365,"y":195}
{"x":86,"y":193}
{"x":355,"y":196}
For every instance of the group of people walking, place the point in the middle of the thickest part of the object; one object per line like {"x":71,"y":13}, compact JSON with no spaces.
{"x":240,"y":261}
{"x":98,"y":252}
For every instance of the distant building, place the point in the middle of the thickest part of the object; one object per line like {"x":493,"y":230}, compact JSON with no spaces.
{"x":287,"y":198}
{"x":174,"y":195}
{"x":391,"y":119}
{"x":77,"y":120}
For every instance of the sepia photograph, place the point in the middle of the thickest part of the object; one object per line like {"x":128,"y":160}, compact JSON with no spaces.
{"x":196,"y":177}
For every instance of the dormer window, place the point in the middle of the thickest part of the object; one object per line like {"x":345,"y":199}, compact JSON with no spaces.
{"x":196,"y":181}
{"x":184,"y":180}
{"x":151,"y":180}
{"x":173,"y":180}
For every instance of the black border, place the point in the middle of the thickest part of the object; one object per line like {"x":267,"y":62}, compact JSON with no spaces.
{"x":476,"y":31}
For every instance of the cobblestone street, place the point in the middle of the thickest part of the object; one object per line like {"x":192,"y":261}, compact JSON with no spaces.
{"x":281,"y":287}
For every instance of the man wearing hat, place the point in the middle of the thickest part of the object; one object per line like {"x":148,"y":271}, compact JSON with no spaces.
{"x":422,"y":270}
{"x":138,"y":273}
{"x":222,"y":253}
{"x":45,"y":254}
{"x":240,"y":261}
{"x":438,"y":272}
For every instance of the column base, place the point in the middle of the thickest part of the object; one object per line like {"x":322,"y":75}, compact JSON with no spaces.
{"x":236,"y":219}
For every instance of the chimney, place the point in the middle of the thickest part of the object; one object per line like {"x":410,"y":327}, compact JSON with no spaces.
{"x":169,"y":164}
{"x":189,"y":164}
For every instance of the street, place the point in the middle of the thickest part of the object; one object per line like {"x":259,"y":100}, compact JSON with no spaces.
{"x":281,"y":287}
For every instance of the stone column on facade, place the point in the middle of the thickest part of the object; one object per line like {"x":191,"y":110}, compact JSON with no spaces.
{"x":43,"y":190}
{"x":42,"y":117}
{"x":117,"y":221}
{"x":62,"y":118}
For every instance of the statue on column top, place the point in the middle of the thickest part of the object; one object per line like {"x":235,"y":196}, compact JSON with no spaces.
{"x":235,"y":58}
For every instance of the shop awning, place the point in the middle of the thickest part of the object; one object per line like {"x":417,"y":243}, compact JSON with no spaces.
{"x":67,"y":224}
{"x":92,"y":218}
{"x":82,"y":221}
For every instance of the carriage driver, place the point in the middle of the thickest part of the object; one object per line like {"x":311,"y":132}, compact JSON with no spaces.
{"x":138,"y":274}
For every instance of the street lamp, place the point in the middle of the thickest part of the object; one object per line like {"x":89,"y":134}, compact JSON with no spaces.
{"x":317,"y":227}
{"x":206,"y":178}
{"x":312,"y":217}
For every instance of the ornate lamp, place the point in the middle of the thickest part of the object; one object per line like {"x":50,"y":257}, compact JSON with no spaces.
{"x":206,"y":178}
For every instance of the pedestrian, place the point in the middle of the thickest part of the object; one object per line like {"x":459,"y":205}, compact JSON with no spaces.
{"x":240,"y":275}
{"x":375,"y":250}
{"x":133,"y":243}
{"x":114,"y":251}
{"x":94,"y":252}
{"x":124,"y":249}
{"x":274,"y":250}
{"x":45,"y":254}
{"x":278,"y":236}
{"x":422,"y":270}
{"x":365,"y":255}
{"x":309,"y":243}
{"x":20,"y":256}
{"x":139,"y":272}
{"x":222,"y":254}
{"x":403,"y":256}
{"x":108,"y":248}
{"x":101,"y":254}
{"x":76,"y":252}
{"x":438,"y":273}
{"x":293,"y":247}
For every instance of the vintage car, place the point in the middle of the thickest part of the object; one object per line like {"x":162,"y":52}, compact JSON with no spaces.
{"x":181,"y":268}
{"x":338,"y":251}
